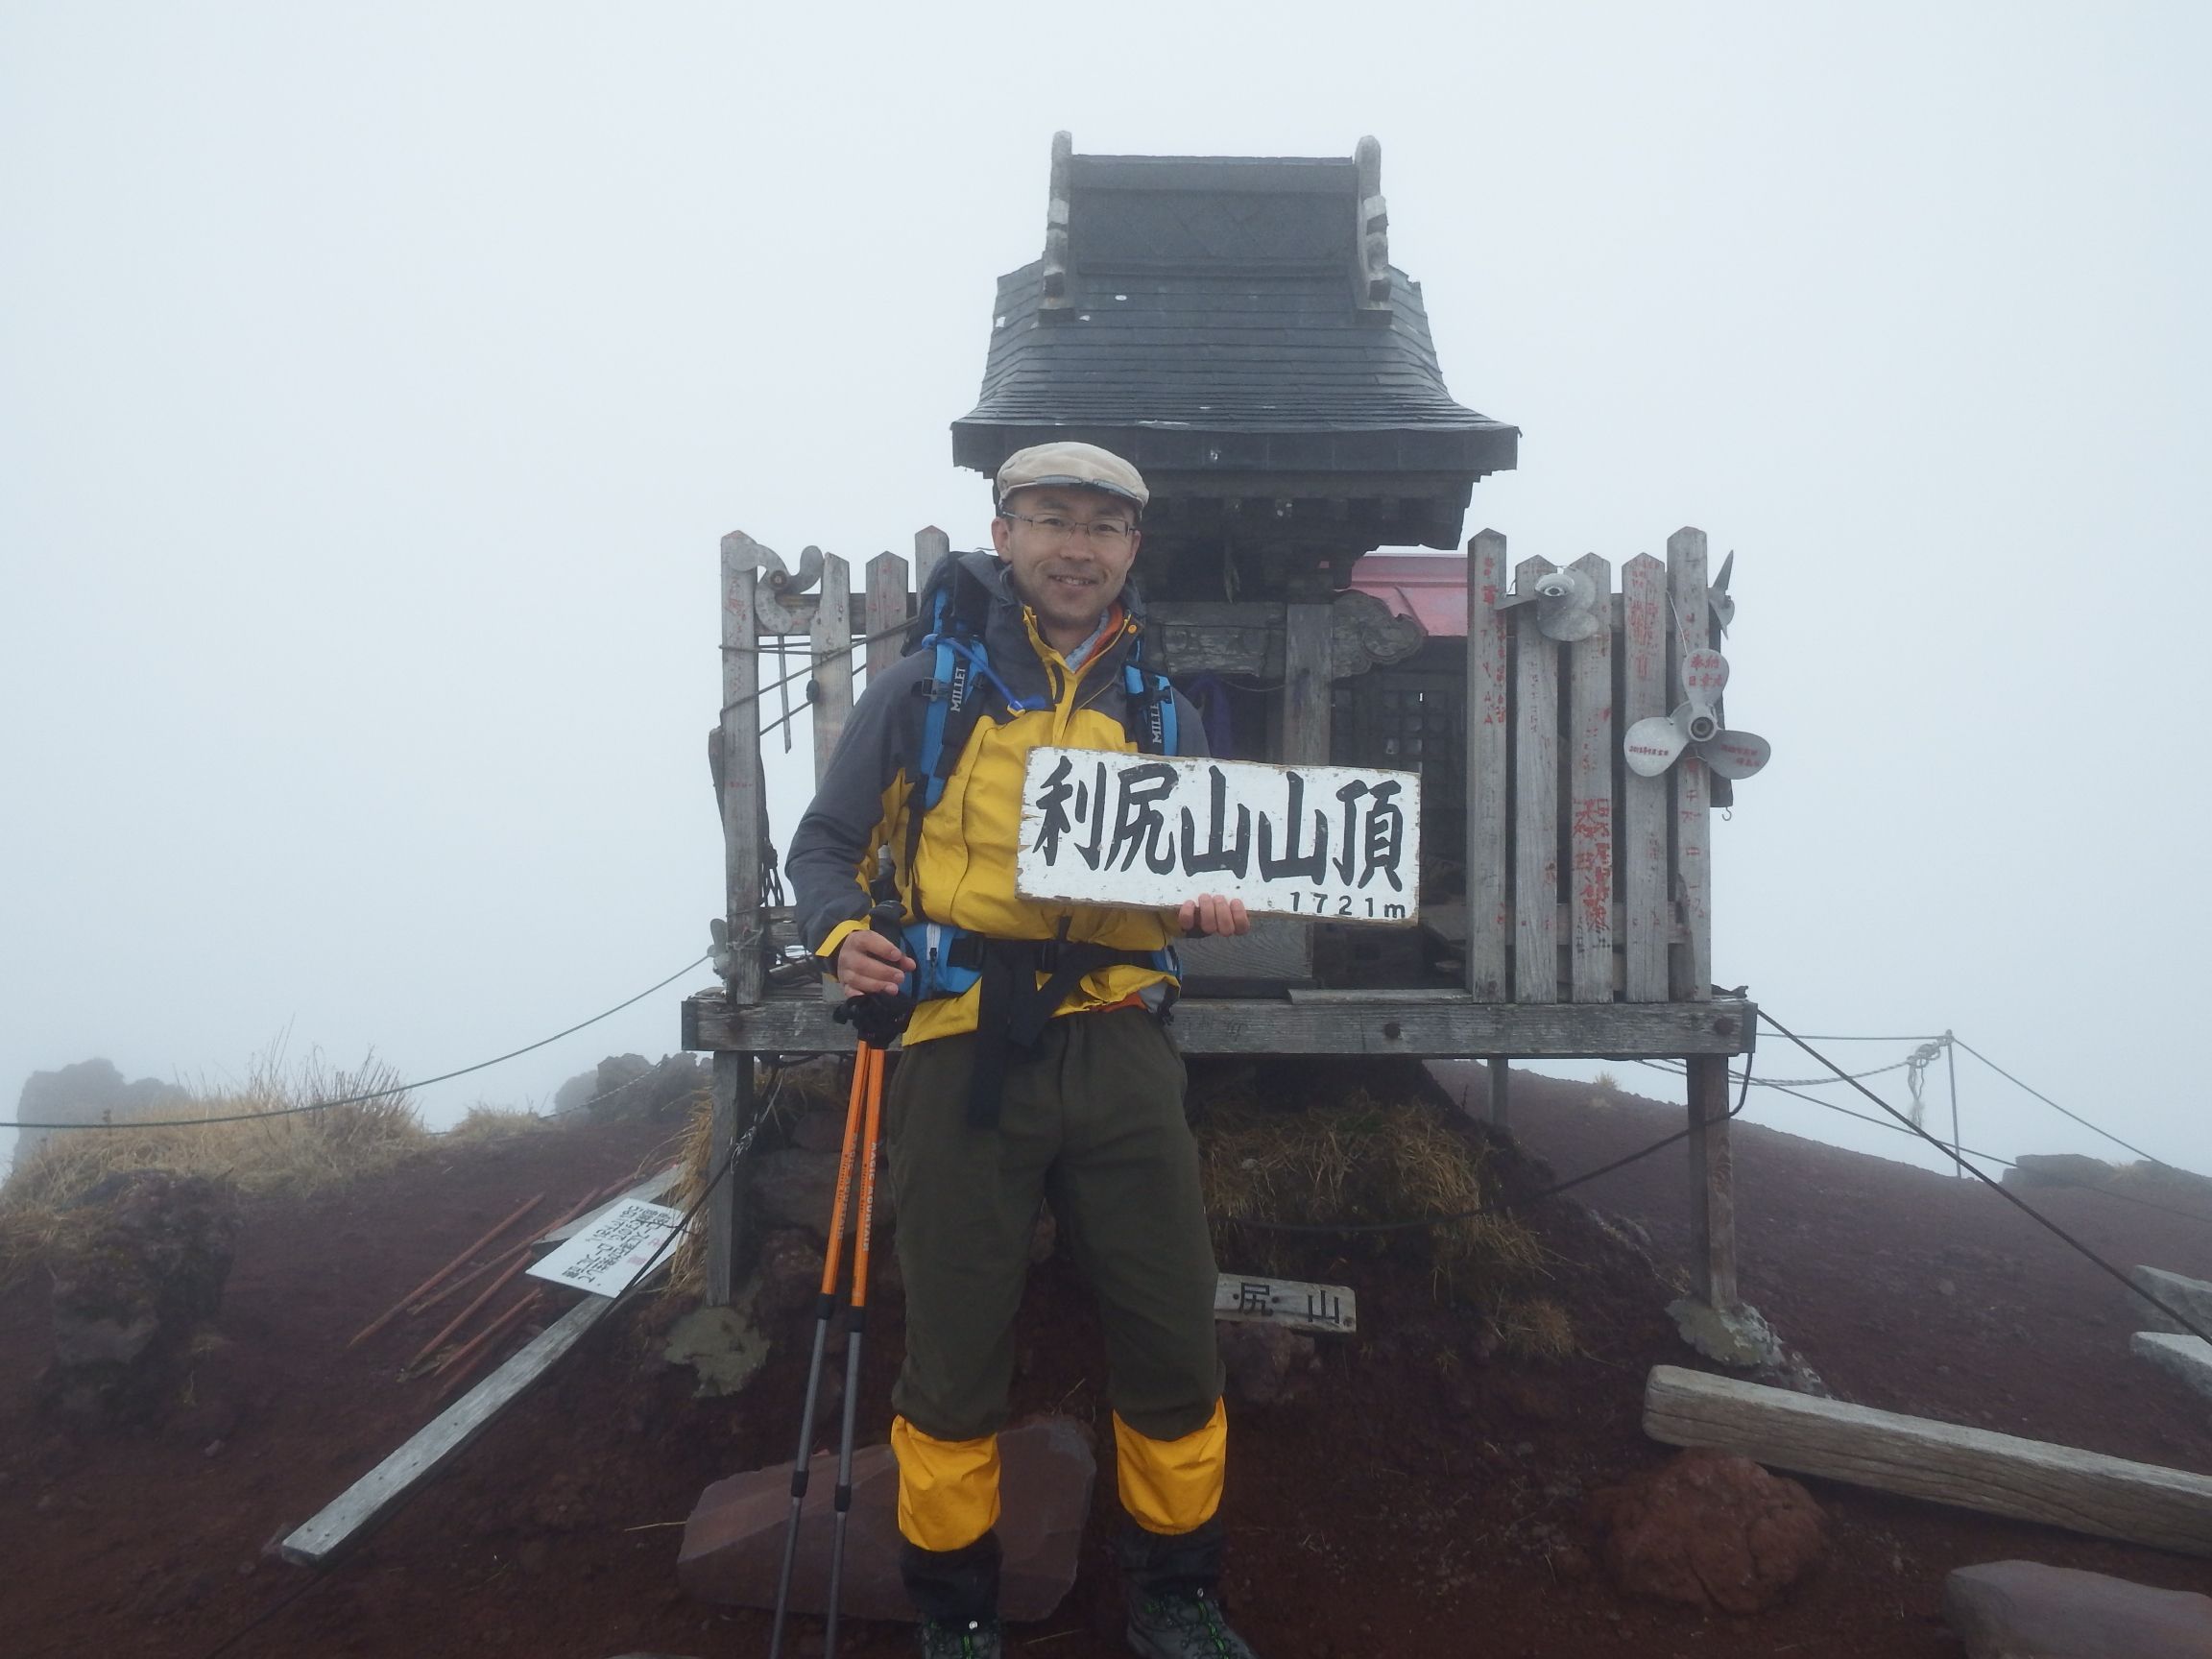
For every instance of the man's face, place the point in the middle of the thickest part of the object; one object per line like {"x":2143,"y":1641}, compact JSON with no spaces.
{"x":1069,"y":578}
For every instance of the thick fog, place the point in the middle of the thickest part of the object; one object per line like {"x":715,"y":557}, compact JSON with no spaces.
{"x":375,"y":385}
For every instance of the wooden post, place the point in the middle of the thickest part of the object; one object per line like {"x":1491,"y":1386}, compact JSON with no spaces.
{"x":1305,"y":655}
{"x":1536,"y":801}
{"x":883,"y":609}
{"x":1489,"y":916}
{"x":742,"y":807}
{"x":830,"y":639}
{"x":1712,"y":1185}
{"x":1951,"y":1071}
{"x":1499,"y":1072}
{"x":733,"y":1097}
{"x":1693,"y":977}
{"x":1591,"y":751}
{"x":1646,"y":882}
{"x":930,"y":545}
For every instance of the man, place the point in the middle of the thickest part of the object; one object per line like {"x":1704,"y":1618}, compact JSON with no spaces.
{"x":1035,"y":1065}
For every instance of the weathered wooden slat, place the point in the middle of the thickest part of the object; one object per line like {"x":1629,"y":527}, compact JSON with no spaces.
{"x":884,"y":610}
{"x":1427,"y":1029}
{"x":1691,"y":977}
{"x":742,"y":803}
{"x":831,"y":642}
{"x":1942,"y":1463}
{"x":1489,"y":918}
{"x":379,"y":1493}
{"x":1712,"y":1183}
{"x":1645,"y":876}
{"x":647,"y":1191}
{"x":1536,"y":891}
{"x":1590,"y":753}
{"x":930,"y":545}
{"x":1306,"y":669}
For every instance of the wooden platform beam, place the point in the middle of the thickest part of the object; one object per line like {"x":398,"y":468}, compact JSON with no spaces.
{"x":1942,"y":1463}
{"x":1441,"y":1025}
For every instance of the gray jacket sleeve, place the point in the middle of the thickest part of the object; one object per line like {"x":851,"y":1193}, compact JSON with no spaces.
{"x":832,"y":856}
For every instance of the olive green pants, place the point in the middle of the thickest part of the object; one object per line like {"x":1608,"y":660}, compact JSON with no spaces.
{"x":1094,"y":1123}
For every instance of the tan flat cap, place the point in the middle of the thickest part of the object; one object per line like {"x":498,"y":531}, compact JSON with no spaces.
{"x":1083,"y":465}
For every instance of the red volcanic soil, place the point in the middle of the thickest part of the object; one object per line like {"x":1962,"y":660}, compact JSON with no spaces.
{"x":1421,"y":1501}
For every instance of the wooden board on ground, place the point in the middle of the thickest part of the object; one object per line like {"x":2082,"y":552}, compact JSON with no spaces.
{"x":1917,"y":1457}
{"x":1334,"y":843}
{"x":379,"y":1492}
{"x":1287,"y":1302}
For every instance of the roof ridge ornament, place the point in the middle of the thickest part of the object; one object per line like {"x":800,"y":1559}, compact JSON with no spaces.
{"x":1057,"y":213}
{"x":1371,"y":236}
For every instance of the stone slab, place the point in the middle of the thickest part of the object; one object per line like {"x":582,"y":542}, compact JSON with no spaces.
{"x":2025,"y":1610}
{"x":2188,"y":1358}
{"x":733,"y":1542}
{"x":2192,"y":1298}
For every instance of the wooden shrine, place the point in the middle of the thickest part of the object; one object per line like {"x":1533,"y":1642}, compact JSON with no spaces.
{"x":1569,"y":913}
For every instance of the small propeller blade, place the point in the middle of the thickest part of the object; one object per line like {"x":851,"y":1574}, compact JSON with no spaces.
{"x":1704,"y":674}
{"x":1651,"y":746}
{"x":1735,"y":754}
{"x":1718,"y":597}
{"x":1563,"y":606}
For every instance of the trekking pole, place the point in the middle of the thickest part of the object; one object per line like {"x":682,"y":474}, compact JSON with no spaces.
{"x":825,"y":1307}
{"x":872,"y":1058}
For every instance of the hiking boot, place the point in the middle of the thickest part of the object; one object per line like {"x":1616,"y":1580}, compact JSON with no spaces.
{"x":961,"y":1639}
{"x":1181,"y":1626}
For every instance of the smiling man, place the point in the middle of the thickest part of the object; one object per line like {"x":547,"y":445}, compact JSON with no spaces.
{"x":1036,"y":1068}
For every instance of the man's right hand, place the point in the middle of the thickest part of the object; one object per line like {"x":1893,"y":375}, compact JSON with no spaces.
{"x":870,"y":964}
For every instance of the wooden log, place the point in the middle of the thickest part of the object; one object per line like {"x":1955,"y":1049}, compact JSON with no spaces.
{"x":1646,"y":883}
{"x":1489,"y":916}
{"x":1429,"y":1028}
{"x":1942,"y":1463}
{"x":1692,"y":977}
{"x":884,"y":612}
{"x":733,"y":1110}
{"x":1535,"y":799}
{"x":1500,"y":1072}
{"x":1590,"y":745}
{"x":1712,"y":1183}
{"x":1307,"y":630}
{"x":378,"y":1494}
{"x":561,"y":1229}
{"x":831,"y":641}
{"x":431,"y":1283}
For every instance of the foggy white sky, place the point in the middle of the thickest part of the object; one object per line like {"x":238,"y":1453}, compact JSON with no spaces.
{"x":376,"y":383}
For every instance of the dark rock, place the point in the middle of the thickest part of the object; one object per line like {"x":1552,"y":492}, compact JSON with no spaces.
{"x":629,"y":1087}
{"x":2059,"y":1169}
{"x":797,"y":1189}
{"x":2025,"y":1610}
{"x":1709,"y":1529}
{"x":790,"y":1277}
{"x":1267,"y":1362}
{"x":733,"y":1542}
{"x":135,"y":1277}
{"x":89,"y":1091}
{"x":822,"y":1130}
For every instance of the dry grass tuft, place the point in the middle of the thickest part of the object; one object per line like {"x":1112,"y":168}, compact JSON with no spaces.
{"x":1359,"y":1162}
{"x":303,"y":1152}
{"x":483,"y":1124}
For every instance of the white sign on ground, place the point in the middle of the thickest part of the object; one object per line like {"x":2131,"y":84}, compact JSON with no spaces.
{"x":1290,"y":1302}
{"x":607,"y":1254}
{"x":1338,"y":843}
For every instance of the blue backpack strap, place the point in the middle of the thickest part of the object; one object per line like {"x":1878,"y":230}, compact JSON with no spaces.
{"x":1153,"y":700}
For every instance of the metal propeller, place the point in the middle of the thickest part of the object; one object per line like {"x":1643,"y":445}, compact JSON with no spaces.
{"x":1566,"y":605}
{"x":1654,"y":744}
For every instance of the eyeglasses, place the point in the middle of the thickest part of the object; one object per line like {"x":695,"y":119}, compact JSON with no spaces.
{"x":1107,"y":533}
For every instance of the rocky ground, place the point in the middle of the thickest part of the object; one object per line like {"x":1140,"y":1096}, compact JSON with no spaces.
{"x":1417,"y":1498}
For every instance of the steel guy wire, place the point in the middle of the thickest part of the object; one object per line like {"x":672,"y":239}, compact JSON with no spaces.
{"x":2060,"y":1110}
{"x":372,"y":1094}
{"x":2180,"y":1319}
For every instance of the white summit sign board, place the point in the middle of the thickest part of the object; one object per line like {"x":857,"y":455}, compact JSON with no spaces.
{"x":1334,"y":843}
